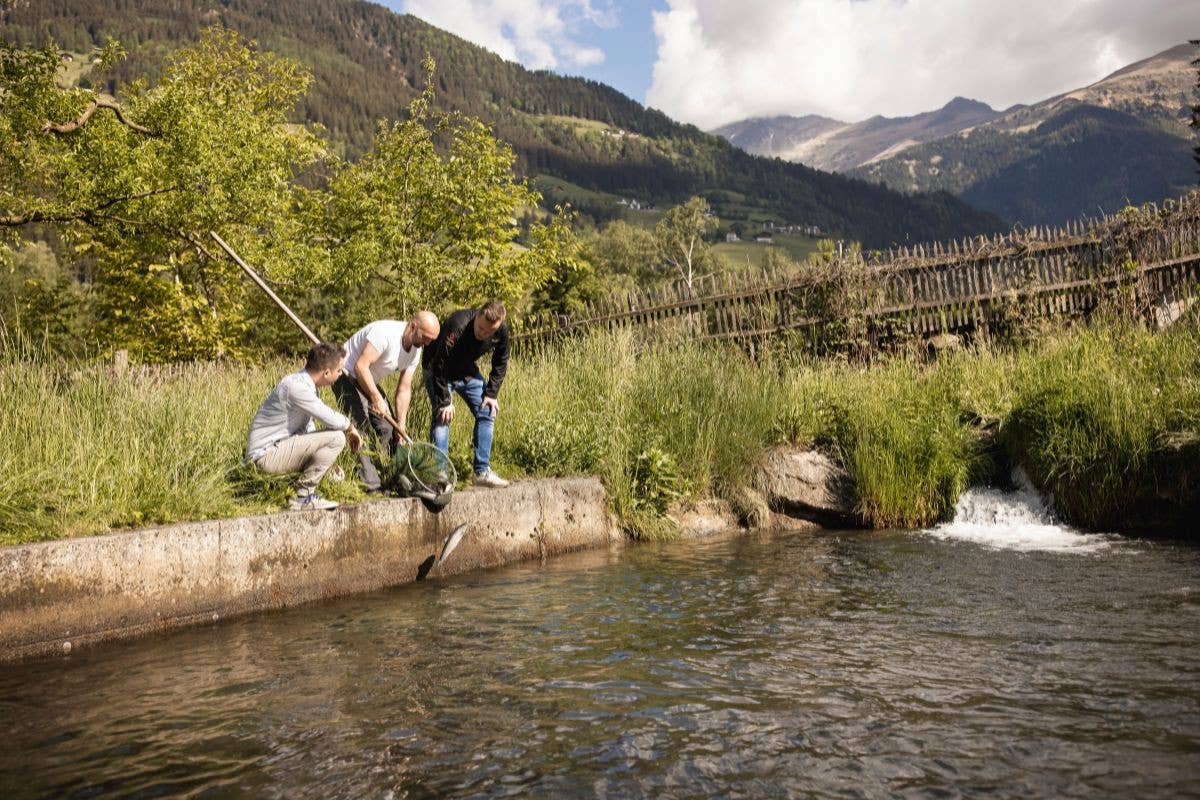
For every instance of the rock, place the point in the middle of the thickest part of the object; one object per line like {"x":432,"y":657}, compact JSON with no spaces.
{"x":786,"y":522}
{"x":807,"y":484}
{"x":943,"y":342}
{"x":752,"y":508}
{"x":704,"y":517}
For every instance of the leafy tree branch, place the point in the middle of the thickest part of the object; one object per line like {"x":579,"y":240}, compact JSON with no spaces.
{"x":98,"y":102}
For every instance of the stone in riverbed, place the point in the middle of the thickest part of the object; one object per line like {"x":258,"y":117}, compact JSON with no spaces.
{"x":807,"y":484}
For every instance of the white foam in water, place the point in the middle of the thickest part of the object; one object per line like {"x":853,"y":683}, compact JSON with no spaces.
{"x":1016,"y":520}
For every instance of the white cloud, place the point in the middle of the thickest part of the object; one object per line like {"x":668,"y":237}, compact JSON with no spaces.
{"x":720,"y":61}
{"x":541,"y":34}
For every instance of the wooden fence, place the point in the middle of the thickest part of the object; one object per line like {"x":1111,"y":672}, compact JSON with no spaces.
{"x":1140,"y":257}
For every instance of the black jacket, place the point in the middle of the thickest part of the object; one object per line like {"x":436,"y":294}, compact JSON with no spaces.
{"x":453,"y":354}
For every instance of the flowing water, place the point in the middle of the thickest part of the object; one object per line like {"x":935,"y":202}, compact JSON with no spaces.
{"x":1000,"y":655}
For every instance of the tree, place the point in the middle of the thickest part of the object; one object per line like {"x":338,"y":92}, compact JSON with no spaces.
{"x":625,"y":255}
{"x":40,"y":303}
{"x":573,"y":281}
{"x":680,"y":238}
{"x":429,"y":214}
{"x":136,"y":185}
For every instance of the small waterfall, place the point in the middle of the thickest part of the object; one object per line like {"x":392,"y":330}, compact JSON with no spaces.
{"x":1016,"y":520}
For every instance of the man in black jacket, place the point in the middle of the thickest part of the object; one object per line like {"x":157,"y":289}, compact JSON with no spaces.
{"x":450,"y":367}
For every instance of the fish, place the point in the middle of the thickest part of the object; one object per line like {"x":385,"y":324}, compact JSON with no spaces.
{"x":452,"y":541}
{"x":448,"y":544}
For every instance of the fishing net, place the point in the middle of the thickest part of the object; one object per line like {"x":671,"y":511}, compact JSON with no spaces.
{"x":419,"y":469}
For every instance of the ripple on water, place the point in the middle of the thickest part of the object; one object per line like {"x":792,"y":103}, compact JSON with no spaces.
{"x":858,"y":664}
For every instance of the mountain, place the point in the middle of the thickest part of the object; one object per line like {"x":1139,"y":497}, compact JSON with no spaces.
{"x":1158,"y":90}
{"x":1081,"y":161}
{"x":366,"y":63}
{"x":777,"y":137}
{"x":827,"y":144}
{"x":1122,"y":140}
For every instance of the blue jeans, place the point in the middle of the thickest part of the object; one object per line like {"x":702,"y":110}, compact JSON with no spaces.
{"x":471,"y":390}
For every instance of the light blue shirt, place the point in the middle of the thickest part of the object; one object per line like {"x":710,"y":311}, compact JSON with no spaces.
{"x":290,"y":410}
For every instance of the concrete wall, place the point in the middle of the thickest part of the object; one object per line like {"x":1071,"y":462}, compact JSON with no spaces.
{"x":72,"y":592}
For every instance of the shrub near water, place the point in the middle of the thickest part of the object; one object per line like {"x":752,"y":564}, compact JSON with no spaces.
{"x":904,"y":443}
{"x":688,"y":420}
{"x":1106,"y":420}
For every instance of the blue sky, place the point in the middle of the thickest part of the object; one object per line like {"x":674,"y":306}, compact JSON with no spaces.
{"x":621,"y":30}
{"x":629,"y":48}
{"x":710,"y":62}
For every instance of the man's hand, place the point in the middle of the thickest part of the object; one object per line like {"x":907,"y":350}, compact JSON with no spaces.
{"x":379,"y":408}
{"x":400,"y":436}
{"x":445,"y":414}
{"x":493,"y":406}
{"x":354,"y":439}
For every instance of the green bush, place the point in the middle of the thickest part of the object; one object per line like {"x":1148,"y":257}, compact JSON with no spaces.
{"x":1106,"y":419}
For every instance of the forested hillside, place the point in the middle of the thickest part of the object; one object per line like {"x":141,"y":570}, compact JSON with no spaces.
{"x":366,"y":63}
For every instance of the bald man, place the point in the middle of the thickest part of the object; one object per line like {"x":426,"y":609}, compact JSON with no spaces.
{"x":374,"y":352}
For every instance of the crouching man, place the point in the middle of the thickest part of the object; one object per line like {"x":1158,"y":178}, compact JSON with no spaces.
{"x":283,"y":437}
{"x":450,"y":367}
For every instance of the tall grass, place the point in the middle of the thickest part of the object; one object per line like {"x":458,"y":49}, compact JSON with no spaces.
{"x":900,"y":430}
{"x":1105,"y":418}
{"x":704,"y":415}
{"x":83,"y":450}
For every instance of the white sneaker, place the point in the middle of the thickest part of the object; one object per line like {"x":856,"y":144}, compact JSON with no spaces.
{"x":490,"y":479}
{"x":311,"y":502}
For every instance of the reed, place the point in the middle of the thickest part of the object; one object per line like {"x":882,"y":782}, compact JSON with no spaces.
{"x":1104,"y":417}
{"x":84,"y":450}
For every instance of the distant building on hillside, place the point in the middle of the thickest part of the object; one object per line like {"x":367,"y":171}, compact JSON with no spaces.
{"x":764,"y":237}
{"x":634,"y":205}
{"x":732,"y":237}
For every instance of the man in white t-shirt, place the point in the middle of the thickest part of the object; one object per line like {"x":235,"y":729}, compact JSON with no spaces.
{"x":374,"y":352}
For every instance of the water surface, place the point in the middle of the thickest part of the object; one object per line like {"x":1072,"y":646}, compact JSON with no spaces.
{"x":834,"y":665}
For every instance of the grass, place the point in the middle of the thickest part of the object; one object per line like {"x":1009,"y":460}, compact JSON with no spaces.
{"x":1107,"y":421}
{"x":1105,"y":418}
{"x":85,"y":450}
{"x":751,"y":253}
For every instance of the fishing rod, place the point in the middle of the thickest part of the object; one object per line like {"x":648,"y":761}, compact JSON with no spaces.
{"x":312,"y":337}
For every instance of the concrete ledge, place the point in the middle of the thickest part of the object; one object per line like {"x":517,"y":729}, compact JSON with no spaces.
{"x":63,"y":594}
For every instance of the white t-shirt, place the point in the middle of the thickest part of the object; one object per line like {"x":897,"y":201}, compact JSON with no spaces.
{"x":388,"y":337}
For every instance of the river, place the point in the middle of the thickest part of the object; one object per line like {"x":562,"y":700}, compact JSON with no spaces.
{"x":842,"y":664}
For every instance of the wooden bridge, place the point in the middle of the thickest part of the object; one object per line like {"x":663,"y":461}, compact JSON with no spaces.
{"x":1145,"y":261}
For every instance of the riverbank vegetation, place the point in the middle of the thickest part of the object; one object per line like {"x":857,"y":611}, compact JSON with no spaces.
{"x":1105,"y":418}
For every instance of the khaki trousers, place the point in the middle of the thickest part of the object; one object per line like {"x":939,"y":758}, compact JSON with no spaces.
{"x":311,"y":454}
